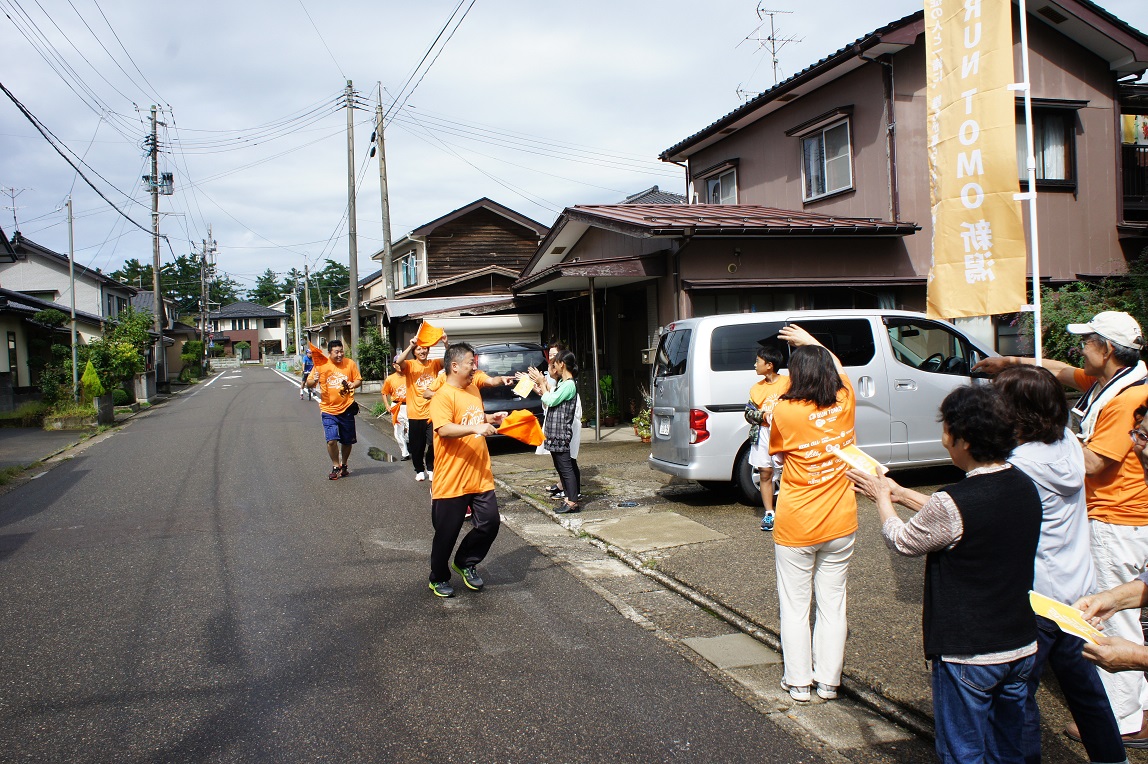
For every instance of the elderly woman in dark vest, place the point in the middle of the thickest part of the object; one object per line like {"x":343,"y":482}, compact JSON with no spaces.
{"x":980,"y":538}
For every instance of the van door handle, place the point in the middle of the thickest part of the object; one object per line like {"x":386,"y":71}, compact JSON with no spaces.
{"x":904,"y":384}
{"x":866,"y":388}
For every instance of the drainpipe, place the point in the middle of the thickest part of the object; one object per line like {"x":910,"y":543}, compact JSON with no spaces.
{"x":888,"y":83}
{"x":685,"y":166}
{"x":594,"y":351}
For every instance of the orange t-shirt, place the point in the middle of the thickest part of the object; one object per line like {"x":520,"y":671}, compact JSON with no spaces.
{"x":765,"y":394}
{"x":1117,"y":494}
{"x":333,"y":399}
{"x":816,"y":502}
{"x":461,"y":465}
{"x":395,"y":388}
{"x":419,"y":376}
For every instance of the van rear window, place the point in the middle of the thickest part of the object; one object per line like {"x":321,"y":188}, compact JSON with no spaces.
{"x":673,"y":351}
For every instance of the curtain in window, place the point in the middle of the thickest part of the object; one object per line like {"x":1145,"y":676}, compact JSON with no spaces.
{"x":813,"y":151}
{"x":1052,"y":154}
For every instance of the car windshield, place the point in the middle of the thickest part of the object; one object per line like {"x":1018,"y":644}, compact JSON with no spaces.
{"x":509,"y":362}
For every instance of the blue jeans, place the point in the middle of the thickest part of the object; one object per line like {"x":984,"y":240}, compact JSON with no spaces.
{"x":1080,"y":683}
{"x":978,"y":709}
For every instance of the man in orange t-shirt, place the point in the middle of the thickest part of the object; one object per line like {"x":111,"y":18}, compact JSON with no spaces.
{"x":420,"y":371}
{"x":1113,"y":384}
{"x":337,"y":380}
{"x":394,"y":394}
{"x":465,"y":478}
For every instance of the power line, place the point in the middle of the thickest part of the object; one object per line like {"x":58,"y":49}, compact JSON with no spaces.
{"x":329,"y":53}
{"x":426,"y":54}
{"x":436,"y":55}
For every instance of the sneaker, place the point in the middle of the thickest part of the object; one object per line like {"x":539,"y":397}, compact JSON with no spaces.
{"x":559,"y":494}
{"x":799,"y":694}
{"x":469,"y":514}
{"x":336,"y":473}
{"x":442,"y":588}
{"x":826,"y":691}
{"x":554,"y":489}
{"x":767,"y":521}
{"x":420,"y":477}
{"x":343,"y":471}
{"x":470,"y":576}
{"x":430,"y":475}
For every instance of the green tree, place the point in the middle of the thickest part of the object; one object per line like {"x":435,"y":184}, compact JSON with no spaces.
{"x":120,"y":353}
{"x":267,"y":289}
{"x":90,"y":383}
{"x":330,"y":281}
{"x":374,"y":355}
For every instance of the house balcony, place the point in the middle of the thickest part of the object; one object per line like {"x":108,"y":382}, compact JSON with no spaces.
{"x":1135,"y":183}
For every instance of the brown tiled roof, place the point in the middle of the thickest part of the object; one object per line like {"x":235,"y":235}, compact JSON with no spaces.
{"x":729,"y":220}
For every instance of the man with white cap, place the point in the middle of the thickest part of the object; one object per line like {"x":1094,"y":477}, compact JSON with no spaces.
{"x":1113,"y":382}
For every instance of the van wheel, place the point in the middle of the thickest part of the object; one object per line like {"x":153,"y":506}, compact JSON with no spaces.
{"x":745,"y":480}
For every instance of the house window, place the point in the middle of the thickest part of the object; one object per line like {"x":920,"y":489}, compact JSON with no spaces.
{"x":1053,"y":143}
{"x":408,"y":270}
{"x":12,"y":367}
{"x":270,"y":323}
{"x":214,"y":325}
{"x":827,"y":161}
{"x":239,"y":324}
{"x":722,"y":189}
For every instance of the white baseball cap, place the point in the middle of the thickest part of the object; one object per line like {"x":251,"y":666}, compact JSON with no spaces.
{"x":1116,"y":327}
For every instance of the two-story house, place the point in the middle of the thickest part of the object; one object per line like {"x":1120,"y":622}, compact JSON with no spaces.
{"x":456,"y":272}
{"x":262,"y":328}
{"x":815,"y":194}
{"x":39,"y":272}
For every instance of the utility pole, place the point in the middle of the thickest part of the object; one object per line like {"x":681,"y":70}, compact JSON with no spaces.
{"x":157,"y":294}
{"x":205,"y":268}
{"x":72,"y":280}
{"x":388,"y":266}
{"x":295,"y":299}
{"x":307,"y":289}
{"x":352,"y":228}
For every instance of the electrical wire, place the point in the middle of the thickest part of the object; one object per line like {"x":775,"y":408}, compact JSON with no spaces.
{"x":436,"y":55}
{"x":320,"y":34}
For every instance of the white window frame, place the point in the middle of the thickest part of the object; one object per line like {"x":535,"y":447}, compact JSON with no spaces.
{"x":402,"y":267}
{"x":720,"y":180}
{"x":819,"y":135}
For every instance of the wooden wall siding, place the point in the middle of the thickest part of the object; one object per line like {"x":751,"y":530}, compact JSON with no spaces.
{"x":483,"y":285}
{"x":475,"y":241}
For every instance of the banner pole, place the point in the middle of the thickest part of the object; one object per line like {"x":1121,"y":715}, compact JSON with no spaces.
{"x":1030,"y":195}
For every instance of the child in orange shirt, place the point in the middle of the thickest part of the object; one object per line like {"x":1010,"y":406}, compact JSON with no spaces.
{"x":763,"y":396}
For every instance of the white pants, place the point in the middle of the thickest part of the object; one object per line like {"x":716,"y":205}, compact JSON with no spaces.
{"x":402,"y":431}
{"x":1119,"y":553}
{"x":820,"y":571}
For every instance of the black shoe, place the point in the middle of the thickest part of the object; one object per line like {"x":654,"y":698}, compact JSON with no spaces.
{"x":343,"y":471}
{"x":470,"y":577}
{"x":336,"y":473}
{"x":566,"y":507}
{"x":558,"y":494}
{"x":554,"y":489}
{"x":442,"y":588}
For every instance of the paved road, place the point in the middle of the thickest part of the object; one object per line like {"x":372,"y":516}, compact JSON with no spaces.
{"x":193,"y":588}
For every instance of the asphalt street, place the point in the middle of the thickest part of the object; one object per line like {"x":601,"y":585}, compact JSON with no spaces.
{"x":193,"y":588}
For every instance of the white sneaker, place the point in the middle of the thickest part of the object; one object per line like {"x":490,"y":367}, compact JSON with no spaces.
{"x":826,"y":691}
{"x":430,"y":475}
{"x":420,"y":477}
{"x":799,"y":694}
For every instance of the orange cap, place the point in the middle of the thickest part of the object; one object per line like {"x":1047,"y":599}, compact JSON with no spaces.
{"x":428,"y":335}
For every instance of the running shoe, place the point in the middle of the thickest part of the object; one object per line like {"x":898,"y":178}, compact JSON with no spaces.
{"x":343,"y":471}
{"x":470,"y":576}
{"x":420,"y":477}
{"x":826,"y":691}
{"x":555,"y":489}
{"x":767,"y":521}
{"x":336,"y":473}
{"x":430,"y":475}
{"x":800,"y":694}
{"x":442,"y":588}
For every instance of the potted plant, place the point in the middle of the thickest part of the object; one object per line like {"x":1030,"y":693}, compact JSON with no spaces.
{"x":642,"y":425}
{"x":609,"y":401}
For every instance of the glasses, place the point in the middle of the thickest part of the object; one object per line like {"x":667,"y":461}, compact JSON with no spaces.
{"x":1139,"y":437}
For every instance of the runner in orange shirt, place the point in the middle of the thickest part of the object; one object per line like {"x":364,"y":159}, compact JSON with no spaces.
{"x":395,"y":399}
{"x":337,"y":380}
{"x":465,"y":478}
{"x":420,"y":371}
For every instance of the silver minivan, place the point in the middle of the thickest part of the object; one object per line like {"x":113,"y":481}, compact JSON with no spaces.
{"x":901,"y":364}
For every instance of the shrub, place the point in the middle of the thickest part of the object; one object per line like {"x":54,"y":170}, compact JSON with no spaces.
{"x":379,"y":409}
{"x":374,"y":355}
{"x":90,"y":383}
{"x":121,"y":397}
{"x":27,"y":415}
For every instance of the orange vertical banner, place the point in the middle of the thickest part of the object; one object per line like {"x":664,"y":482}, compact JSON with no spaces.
{"x":979,"y":256}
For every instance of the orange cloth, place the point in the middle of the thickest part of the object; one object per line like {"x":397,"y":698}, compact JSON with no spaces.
{"x":765,"y":394}
{"x":428,"y":335}
{"x":419,"y":377}
{"x":336,"y":400}
{"x":318,"y":357}
{"x":1117,"y":494}
{"x":522,"y":425}
{"x":816,"y":502}
{"x":395,"y":388}
{"x":461,"y":465}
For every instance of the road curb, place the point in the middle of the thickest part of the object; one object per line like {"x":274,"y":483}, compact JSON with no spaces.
{"x":865,"y":694}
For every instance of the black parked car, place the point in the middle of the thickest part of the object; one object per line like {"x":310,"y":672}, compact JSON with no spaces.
{"x":507,"y":359}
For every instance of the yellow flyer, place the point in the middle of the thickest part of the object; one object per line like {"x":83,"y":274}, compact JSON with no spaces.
{"x":523,"y":388}
{"x":1069,"y":619}
{"x":859,"y":460}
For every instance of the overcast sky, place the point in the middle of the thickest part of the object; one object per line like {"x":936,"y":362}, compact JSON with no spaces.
{"x":537,"y":105}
